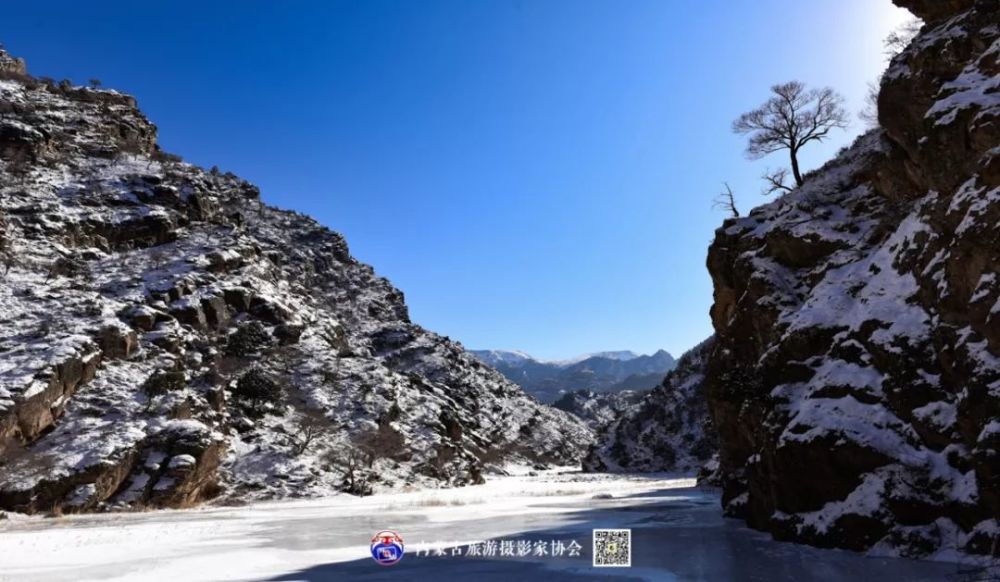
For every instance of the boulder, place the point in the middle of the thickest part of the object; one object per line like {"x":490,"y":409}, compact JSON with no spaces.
{"x":117,"y":341}
{"x":216,"y":311}
{"x":189,"y":311}
{"x":239,"y":298}
{"x":10,"y":65}
{"x":269,"y":310}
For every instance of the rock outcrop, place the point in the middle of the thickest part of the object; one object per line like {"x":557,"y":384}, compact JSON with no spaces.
{"x":11,"y":66}
{"x":166,"y":337}
{"x":668,"y":430}
{"x":855,"y":380}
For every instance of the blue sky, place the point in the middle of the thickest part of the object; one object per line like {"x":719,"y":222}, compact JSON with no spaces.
{"x":533,"y":174}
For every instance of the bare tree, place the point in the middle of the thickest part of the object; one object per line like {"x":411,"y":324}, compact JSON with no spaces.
{"x":775,"y":180}
{"x":792,"y":118}
{"x":384,"y":442}
{"x":356,"y":457}
{"x":307,"y":429}
{"x":351,"y":461}
{"x":895,"y":43}
{"x":726,"y":201}
{"x":356,"y":478}
{"x":901,"y":37}
{"x":869,"y":113}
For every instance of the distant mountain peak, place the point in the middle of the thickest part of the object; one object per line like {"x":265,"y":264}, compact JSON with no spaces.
{"x":607,"y":371}
{"x":514,"y":356}
{"x":509,"y":356}
{"x":620,"y":355}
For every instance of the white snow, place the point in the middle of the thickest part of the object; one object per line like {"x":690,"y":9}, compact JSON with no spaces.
{"x":940,"y":414}
{"x":677,"y":533}
{"x":182,"y":462}
{"x":991,"y":429}
{"x":971,"y":89}
{"x":866,"y":499}
{"x":72,"y":205}
{"x":986,"y":284}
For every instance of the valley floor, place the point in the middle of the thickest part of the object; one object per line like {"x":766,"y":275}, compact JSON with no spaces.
{"x":678,"y":534}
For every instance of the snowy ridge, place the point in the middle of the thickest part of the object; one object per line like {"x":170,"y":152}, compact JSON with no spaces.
{"x":141,"y":291}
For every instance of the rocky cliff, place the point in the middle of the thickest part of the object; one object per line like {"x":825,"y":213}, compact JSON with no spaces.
{"x":166,"y":337}
{"x":855,"y":380}
{"x":668,"y":430}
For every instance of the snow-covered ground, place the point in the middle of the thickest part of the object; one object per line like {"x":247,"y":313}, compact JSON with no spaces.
{"x":678,"y":534}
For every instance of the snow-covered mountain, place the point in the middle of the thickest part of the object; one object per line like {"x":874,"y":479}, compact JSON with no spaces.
{"x":855,"y":379}
{"x":666,"y":429}
{"x":611,"y":371}
{"x":513,"y":357}
{"x":598,"y":409}
{"x":620,"y":355}
{"x":165,"y":337}
{"x":502,"y":357}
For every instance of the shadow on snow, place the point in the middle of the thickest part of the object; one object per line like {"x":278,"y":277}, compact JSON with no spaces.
{"x":682,"y":537}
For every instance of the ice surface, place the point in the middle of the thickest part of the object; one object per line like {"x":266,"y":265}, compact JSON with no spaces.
{"x":677,"y":535}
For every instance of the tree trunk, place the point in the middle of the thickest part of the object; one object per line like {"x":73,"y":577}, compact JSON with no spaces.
{"x":795,"y":167}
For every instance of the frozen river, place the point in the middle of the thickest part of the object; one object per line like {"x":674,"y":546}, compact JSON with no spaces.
{"x":677,"y":534}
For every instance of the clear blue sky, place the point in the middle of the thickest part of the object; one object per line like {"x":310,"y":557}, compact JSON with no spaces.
{"x":533,"y":174}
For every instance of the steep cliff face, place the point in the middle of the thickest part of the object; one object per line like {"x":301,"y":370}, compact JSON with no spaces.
{"x":855,"y":382}
{"x":166,"y":337}
{"x":668,"y":430}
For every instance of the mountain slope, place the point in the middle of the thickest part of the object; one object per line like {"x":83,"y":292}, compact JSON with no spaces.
{"x":600,"y":372}
{"x":669,"y":429}
{"x":166,"y":337}
{"x":855,"y":382}
{"x":598,"y":409}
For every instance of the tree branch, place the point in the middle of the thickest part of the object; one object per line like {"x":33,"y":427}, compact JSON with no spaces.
{"x":776,"y":181}
{"x":726,"y":201}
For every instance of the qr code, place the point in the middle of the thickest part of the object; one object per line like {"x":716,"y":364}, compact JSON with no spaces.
{"x":612,"y":548}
